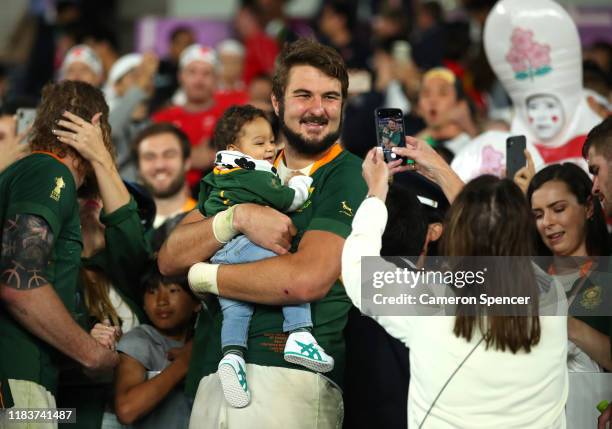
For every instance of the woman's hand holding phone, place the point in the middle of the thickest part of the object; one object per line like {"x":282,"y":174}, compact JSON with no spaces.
{"x":430,"y":164}
{"x":376,"y":173}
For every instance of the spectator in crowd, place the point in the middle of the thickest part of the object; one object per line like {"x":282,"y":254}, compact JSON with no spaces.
{"x":336,"y":26}
{"x":129,"y":86}
{"x":115,"y":255}
{"x":596,"y":83}
{"x":197,"y":118}
{"x":163,"y":154}
{"x":41,"y":234}
{"x":572,"y":228}
{"x":260,"y":49}
{"x":504,"y":357}
{"x":310,"y":86}
{"x":231,"y":89}
{"x":396,"y":85}
{"x":166,"y":80}
{"x":83,"y":64}
{"x":390,"y":24}
{"x":231,"y":65}
{"x":244,"y":173}
{"x":104,"y":43}
{"x":260,"y":91}
{"x":154,"y":358}
{"x":428,"y":36}
{"x":274,"y":19}
{"x":446,"y":112}
{"x":600,"y":52}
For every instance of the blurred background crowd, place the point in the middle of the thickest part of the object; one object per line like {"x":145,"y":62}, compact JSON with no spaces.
{"x":169,"y":70}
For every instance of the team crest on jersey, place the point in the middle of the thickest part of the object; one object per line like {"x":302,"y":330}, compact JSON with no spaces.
{"x":346,"y":209}
{"x":59,"y":185}
{"x":308,"y":202}
{"x":591,"y":297}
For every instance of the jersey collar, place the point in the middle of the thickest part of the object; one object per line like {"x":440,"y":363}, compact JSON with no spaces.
{"x":331,"y":154}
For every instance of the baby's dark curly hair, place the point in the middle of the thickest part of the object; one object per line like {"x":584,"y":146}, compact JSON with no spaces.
{"x":229,"y":127}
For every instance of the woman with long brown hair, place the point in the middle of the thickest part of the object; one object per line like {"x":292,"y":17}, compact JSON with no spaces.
{"x":474,"y":368}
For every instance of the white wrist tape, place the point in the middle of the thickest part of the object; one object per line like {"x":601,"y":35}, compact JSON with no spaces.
{"x":202,"y":278}
{"x":223,"y":225}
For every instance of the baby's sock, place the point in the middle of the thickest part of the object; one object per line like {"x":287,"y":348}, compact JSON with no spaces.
{"x":237,"y":350}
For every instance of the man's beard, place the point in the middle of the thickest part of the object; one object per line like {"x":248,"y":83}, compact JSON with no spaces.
{"x":300,"y":144}
{"x":173,"y":188}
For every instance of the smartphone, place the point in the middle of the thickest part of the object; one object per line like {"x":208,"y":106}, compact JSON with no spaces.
{"x":401,"y":51}
{"x":515,"y":155}
{"x":390,"y":131}
{"x":25,"y":118}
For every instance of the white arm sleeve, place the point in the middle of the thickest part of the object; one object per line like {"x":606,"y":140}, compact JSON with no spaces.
{"x":300,"y":184}
{"x":366,"y":240}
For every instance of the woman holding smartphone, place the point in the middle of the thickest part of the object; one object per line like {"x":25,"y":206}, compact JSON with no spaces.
{"x":469,"y":370}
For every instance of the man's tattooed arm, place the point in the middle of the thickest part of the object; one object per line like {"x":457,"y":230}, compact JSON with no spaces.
{"x":27,"y":242}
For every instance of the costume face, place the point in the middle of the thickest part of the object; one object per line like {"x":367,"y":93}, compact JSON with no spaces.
{"x":161,"y":165}
{"x":560,"y":219}
{"x":545,"y":116}
{"x":256,"y":140}
{"x":311,"y":112}
{"x":534,"y":50}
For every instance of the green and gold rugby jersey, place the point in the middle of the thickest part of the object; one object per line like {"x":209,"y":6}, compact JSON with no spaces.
{"x":41,"y":185}
{"x":336,"y":192}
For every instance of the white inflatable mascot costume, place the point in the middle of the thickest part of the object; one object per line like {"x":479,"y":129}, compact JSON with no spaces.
{"x":534,"y":49}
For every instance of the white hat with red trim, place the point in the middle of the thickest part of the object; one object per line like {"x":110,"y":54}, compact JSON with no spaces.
{"x":82,"y":54}
{"x":197,"y":52}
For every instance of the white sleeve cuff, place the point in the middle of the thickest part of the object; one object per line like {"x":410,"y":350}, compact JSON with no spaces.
{"x":300,"y":184}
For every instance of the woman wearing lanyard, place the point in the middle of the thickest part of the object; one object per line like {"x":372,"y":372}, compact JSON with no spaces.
{"x":572,"y":231}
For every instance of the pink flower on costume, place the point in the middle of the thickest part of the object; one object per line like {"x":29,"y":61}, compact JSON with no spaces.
{"x":539,"y":56}
{"x":491,"y":161}
{"x":527,"y":57}
{"x":516,"y":60}
{"x":522,"y":40}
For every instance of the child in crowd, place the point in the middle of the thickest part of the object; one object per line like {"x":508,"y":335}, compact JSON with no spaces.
{"x":154,"y":358}
{"x":244,"y":173}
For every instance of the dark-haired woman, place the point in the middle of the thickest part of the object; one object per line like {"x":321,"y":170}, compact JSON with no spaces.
{"x":572,"y":230}
{"x":471,"y":370}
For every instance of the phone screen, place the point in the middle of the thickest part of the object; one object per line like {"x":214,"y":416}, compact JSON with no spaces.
{"x":25,"y":118}
{"x":390,"y":131}
{"x":515,"y":155}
